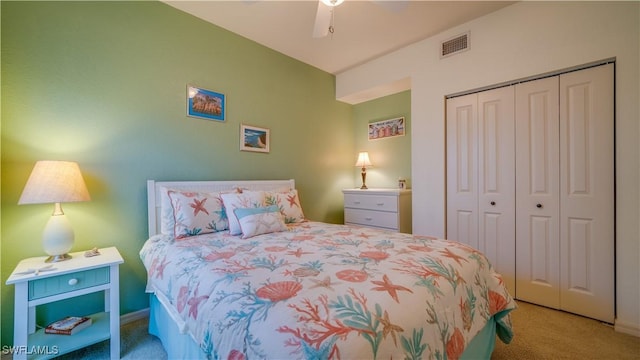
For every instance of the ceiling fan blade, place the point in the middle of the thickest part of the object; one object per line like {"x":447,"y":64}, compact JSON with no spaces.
{"x":393,"y":5}
{"x":323,"y":20}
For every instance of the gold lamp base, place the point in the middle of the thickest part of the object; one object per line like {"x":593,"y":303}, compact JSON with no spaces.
{"x":364,"y":177}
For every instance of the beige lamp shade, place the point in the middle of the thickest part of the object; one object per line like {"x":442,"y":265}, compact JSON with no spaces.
{"x":54,"y":182}
{"x":363,"y":160}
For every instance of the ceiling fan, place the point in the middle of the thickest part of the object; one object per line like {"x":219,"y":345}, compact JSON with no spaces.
{"x":326,"y":8}
{"x":324,"y":17}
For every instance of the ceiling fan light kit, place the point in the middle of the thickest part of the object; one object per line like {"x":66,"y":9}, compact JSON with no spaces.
{"x":324,"y":18}
{"x":332,"y":2}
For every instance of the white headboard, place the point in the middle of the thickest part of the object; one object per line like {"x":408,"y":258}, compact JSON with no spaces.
{"x":155,"y":192}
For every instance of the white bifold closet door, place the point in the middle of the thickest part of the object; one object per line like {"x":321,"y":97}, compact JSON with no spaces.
{"x":565,"y":192}
{"x":530,"y":183}
{"x":480,"y":173}
{"x":537,"y":192}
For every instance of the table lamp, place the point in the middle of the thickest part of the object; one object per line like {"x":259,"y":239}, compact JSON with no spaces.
{"x":55,"y":182}
{"x":363,"y":162}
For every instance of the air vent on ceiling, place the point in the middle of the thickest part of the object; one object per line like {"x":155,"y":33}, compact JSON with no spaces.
{"x":454,"y":45}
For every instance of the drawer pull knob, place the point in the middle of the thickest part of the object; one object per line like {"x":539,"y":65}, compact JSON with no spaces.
{"x":357,"y":202}
{"x":368,"y":219}
{"x":380,"y":204}
{"x":73,"y":282}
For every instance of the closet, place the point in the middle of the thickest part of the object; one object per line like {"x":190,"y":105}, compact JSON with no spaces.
{"x":530,"y":182}
{"x":480,"y":173}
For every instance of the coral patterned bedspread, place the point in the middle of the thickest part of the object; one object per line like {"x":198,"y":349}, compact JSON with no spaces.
{"x":323,"y":291}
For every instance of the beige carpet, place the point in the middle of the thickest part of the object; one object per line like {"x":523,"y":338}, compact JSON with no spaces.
{"x":135,"y":344}
{"x":542,"y":333}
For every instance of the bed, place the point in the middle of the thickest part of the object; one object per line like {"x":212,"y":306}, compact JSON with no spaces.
{"x":235,"y":271}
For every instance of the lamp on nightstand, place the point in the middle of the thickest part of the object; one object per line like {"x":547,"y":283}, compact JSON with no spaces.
{"x":363,"y":162}
{"x":55,"y":182}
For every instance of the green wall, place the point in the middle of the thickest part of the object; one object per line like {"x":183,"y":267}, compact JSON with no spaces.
{"x":104,"y":84}
{"x":391,"y":157}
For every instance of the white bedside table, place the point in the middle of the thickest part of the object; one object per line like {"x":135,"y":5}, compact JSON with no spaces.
{"x":75,"y":277}
{"x":380,"y":208}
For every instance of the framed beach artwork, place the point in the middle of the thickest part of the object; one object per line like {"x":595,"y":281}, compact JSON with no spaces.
{"x":386,"y":128}
{"x":253,"y":138}
{"x":205,"y":104}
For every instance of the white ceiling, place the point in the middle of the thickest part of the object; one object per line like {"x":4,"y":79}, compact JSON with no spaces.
{"x":363,"y":29}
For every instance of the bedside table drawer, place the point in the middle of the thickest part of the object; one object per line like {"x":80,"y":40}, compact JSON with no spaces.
{"x":371,"y":202}
{"x":371,"y":218}
{"x":68,"y":282}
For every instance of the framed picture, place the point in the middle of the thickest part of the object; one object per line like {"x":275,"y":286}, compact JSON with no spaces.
{"x":254,"y":138}
{"x":205,"y":104}
{"x":386,"y":128}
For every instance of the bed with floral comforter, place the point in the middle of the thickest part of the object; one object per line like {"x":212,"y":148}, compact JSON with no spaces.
{"x":323,"y":291}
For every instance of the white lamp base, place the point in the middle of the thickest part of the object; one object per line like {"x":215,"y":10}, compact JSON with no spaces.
{"x":57,"y":238}
{"x":57,"y":258}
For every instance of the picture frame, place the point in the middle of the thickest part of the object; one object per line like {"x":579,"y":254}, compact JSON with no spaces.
{"x":387,"y":128}
{"x":253,"y":138}
{"x":205,"y":104}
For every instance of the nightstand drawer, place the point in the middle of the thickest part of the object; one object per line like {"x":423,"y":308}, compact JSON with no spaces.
{"x":68,"y":282}
{"x":371,"y":202}
{"x":386,"y":220}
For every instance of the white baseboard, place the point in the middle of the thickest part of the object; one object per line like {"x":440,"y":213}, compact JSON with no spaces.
{"x":627,"y":328}
{"x":133,"y":316}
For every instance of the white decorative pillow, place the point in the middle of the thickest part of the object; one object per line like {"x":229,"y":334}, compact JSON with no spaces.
{"x":167,"y":222}
{"x":262,"y":220}
{"x":248,"y":199}
{"x":197,"y":213}
{"x":289,"y":204}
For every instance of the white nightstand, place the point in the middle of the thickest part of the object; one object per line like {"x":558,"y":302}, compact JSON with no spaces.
{"x":78,"y":276}
{"x":381,"y":208}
